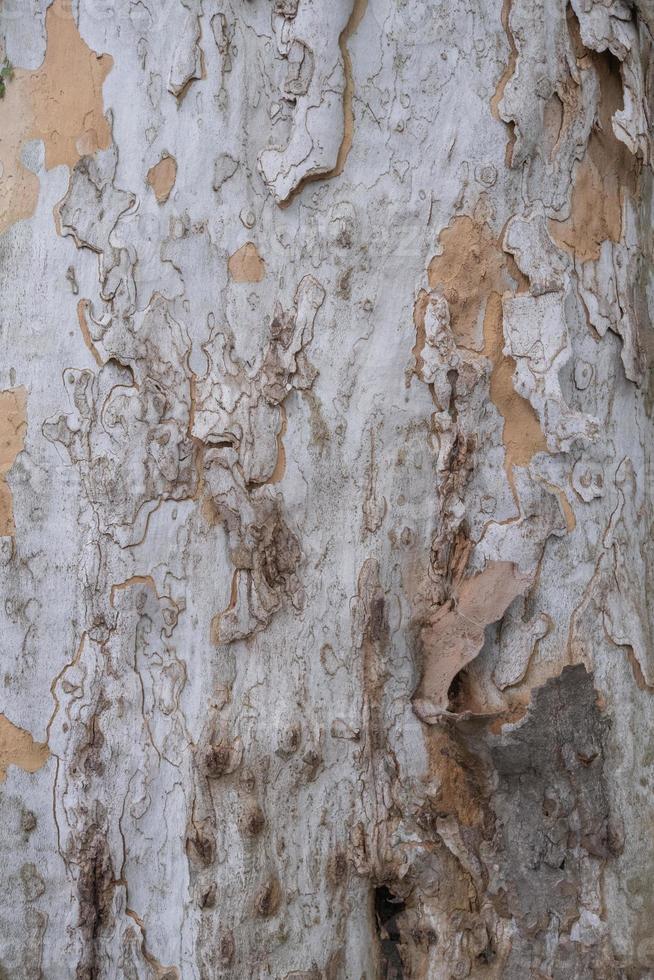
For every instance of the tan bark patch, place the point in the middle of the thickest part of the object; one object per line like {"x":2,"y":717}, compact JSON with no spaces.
{"x":359,"y":8}
{"x":511,"y":63}
{"x":280,"y":466}
{"x":455,"y":633}
{"x":419,"y":310}
{"x":246,"y":265}
{"x":160,"y":971}
{"x":82,"y":310}
{"x":13,"y":425}
{"x":470,"y":267}
{"x":233,"y":597}
{"x":607,"y":172}
{"x":472,"y":272}
{"x":566,"y":508}
{"x":59,"y":103}
{"x":162,"y":177}
{"x":18,"y":748}
{"x":522,"y":435}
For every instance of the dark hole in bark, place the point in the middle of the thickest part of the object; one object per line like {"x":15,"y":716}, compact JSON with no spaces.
{"x":387,"y":908}
{"x":456,"y":687}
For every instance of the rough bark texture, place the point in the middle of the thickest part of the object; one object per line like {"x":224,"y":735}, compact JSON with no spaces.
{"x":325,"y":489}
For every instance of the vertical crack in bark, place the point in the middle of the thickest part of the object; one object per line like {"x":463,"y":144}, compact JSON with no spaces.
{"x":387,"y":907}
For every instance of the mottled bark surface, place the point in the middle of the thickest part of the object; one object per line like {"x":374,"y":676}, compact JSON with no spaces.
{"x":325,"y":489}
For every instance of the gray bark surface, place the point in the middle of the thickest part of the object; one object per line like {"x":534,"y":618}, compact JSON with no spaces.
{"x":325,"y":489}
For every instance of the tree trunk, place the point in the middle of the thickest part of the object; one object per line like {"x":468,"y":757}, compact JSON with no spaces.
{"x":325,"y":489}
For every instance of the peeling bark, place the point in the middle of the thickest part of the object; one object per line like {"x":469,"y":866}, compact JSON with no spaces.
{"x":325,"y":497}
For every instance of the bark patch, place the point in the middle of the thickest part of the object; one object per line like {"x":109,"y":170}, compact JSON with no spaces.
{"x":59,"y":103}
{"x":606,"y":173}
{"x":522,"y":435}
{"x":18,"y":748}
{"x":455,"y":633}
{"x":246,"y":265}
{"x":472,"y":272}
{"x":387,"y":907}
{"x":470,"y":267}
{"x":13,"y":426}
{"x":162,"y":177}
{"x":552,"y":816}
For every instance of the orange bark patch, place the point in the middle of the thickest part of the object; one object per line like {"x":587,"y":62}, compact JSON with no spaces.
{"x":246,"y":265}
{"x":13,"y":426}
{"x":18,"y":748}
{"x":162,"y":176}
{"x":607,"y":171}
{"x":59,"y":103}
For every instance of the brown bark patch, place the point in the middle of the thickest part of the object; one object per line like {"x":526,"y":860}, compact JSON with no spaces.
{"x":59,"y":103}
{"x":606,"y":173}
{"x":460,"y":784}
{"x":18,"y":748}
{"x":253,"y":821}
{"x":95,"y":886}
{"x":13,"y":426}
{"x":162,"y":177}
{"x":268,"y":898}
{"x":246,"y":265}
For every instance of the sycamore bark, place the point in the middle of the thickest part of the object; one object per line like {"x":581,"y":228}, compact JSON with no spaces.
{"x":326,"y":490}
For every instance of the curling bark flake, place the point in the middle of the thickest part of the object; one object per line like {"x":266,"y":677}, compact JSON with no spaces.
{"x":326,"y":519}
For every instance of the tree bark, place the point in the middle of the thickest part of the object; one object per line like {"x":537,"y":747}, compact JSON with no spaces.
{"x":325,"y":489}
